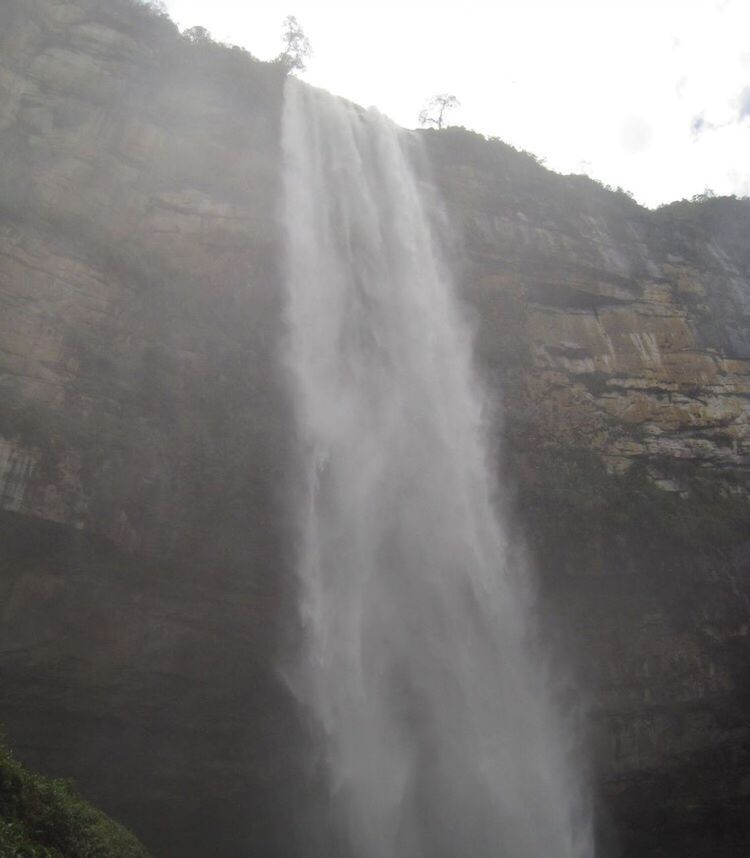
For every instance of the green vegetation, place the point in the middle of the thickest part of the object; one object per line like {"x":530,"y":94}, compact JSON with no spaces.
{"x":157,"y":8}
{"x":296,"y":48}
{"x":194,"y":49}
{"x":578,"y":495}
{"x":45,"y":818}
{"x":725,"y":218}
{"x":709,"y":211}
{"x":515,"y":179}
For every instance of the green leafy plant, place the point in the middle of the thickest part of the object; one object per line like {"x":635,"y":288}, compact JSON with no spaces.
{"x":44,"y":817}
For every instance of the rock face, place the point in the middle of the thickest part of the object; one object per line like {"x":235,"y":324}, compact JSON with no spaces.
{"x":139,"y":462}
{"x":143,"y":438}
{"x":619,"y":338}
{"x":633,"y":327}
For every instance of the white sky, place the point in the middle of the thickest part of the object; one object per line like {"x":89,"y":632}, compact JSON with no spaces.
{"x":612,"y":88}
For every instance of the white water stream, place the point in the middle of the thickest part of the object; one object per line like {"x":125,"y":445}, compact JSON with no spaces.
{"x":438,"y":727}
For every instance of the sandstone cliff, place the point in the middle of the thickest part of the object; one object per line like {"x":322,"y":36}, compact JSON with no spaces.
{"x":619,"y":339}
{"x":143,"y":436}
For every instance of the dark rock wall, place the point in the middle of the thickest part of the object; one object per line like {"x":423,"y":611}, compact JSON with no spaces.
{"x":143,"y":436}
{"x":619,"y":340}
{"x":141,"y":427}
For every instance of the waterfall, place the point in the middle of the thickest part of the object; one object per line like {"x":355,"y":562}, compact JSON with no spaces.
{"x":435,"y":717}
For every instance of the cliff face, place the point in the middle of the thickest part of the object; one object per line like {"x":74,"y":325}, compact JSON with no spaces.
{"x":143,"y":436}
{"x":630,"y":327}
{"x":141,"y":550}
{"x":619,"y":338}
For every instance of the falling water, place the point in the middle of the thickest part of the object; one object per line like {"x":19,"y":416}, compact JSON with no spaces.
{"x":439,"y":735}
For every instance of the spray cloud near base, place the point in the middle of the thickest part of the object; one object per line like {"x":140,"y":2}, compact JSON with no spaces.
{"x":440,"y":736}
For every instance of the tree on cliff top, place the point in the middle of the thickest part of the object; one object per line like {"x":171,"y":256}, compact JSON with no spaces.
{"x":297,"y":49}
{"x":436,"y":108}
{"x":156,"y":7}
{"x":198,"y":36}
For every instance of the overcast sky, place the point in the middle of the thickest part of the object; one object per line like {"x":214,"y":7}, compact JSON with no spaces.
{"x":651,"y":95}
